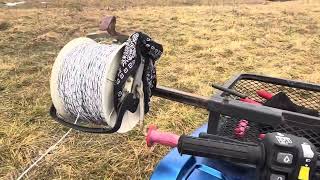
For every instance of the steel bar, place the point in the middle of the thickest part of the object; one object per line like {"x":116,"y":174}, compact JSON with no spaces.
{"x":182,"y":97}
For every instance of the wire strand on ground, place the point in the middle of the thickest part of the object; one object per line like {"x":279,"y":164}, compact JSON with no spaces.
{"x":47,"y":151}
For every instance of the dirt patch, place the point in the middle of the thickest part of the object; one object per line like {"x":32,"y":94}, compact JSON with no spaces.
{"x":48,"y":37}
{"x":4,"y":25}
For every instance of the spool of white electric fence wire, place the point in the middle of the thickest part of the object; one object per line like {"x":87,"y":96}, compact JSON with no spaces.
{"x":82,"y":82}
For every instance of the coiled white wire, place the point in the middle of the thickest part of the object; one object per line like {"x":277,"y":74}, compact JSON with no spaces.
{"x":80,"y":80}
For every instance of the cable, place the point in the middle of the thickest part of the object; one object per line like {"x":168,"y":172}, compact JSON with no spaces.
{"x":47,"y":151}
{"x":81,"y":77}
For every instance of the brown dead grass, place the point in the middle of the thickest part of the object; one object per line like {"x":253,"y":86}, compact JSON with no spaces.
{"x":203,"y":44}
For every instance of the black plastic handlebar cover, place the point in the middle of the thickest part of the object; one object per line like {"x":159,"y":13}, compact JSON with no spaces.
{"x":229,"y":151}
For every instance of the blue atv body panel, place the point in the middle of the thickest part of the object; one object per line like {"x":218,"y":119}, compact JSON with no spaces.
{"x":186,"y":167}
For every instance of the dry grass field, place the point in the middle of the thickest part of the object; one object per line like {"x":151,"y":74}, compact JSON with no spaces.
{"x":203,"y":44}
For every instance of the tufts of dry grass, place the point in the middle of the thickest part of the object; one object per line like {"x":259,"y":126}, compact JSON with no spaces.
{"x":203,"y":44}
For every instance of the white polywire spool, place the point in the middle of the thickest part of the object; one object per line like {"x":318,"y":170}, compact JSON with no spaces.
{"x":82,"y":78}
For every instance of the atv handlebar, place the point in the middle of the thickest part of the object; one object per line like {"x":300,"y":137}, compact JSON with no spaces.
{"x":289,"y":155}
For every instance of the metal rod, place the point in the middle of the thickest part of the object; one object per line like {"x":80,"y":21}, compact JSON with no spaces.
{"x":182,"y":97}
{"x":230,"y":91}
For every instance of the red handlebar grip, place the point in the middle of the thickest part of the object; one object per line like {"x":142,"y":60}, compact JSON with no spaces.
{"x":163,"y":138}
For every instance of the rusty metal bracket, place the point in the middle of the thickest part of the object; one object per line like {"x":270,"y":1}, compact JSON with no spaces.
{"x":107,"y":29}
{"x":108,"y":23}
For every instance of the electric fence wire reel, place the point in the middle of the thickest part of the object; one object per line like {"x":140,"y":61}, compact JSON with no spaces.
{"x":105,"y":84}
